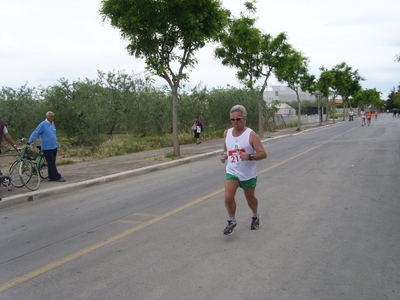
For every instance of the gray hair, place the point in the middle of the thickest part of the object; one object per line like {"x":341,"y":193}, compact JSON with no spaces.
{"x":48,"y":113}
{"x":239,"y":108}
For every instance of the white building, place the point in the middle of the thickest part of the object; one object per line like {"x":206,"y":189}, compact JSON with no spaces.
{"x":285,"y":109}
{"x":285,"y":94}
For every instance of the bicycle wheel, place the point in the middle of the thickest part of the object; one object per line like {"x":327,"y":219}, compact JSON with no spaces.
{"x":42,"y":167}
{"x":14,"y":173}
{"x":29,"y":175}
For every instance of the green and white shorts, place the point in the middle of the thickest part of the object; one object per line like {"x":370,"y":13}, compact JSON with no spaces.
{"x":245,"y":184}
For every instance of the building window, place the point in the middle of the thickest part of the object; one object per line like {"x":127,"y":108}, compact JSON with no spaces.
{"x":276,"y":93}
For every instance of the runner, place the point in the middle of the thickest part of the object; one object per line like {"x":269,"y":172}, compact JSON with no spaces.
{"x":362,"y":117}
{"x":242,"y":148}
{"x":369,"y":116}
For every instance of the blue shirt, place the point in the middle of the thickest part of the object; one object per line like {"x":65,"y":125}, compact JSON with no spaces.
{"x":47,"y":133}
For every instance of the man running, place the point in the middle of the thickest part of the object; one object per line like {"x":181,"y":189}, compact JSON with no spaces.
{"x":242,"y":148}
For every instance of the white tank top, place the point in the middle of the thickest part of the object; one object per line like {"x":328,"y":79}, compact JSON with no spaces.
{"x":243,"y":169}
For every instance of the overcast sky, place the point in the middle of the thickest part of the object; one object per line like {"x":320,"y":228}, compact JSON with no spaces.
{"x":42,"y":41}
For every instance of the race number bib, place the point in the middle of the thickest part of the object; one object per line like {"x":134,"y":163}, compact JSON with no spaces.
{"x":234,"y":155}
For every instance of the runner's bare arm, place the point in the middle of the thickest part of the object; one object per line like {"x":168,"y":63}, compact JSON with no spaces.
{"x":224,"y":156}
{"x":255,"y":142}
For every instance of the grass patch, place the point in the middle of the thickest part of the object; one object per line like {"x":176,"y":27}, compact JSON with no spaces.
{"x":170,"y":155}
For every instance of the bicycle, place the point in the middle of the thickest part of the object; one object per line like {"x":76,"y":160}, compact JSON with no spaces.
{"x":28,"y":171}
{"x":14,"y":178}
{"x":14,"y":168}
{"x":41,"y":164}
{"x":5,"y":179}
{"x":28,"y":174}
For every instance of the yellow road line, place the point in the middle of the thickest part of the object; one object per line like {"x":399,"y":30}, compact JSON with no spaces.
{"x":46,"y":268}
{"x":141,"y":214}
{"x":124,"y":221}
{"x":68,"y":258}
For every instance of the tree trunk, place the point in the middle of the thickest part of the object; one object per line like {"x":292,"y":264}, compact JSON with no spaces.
{"x":327,"y":110}
{"x":299,"y":115}
{"x":175,"y":129}
{"x":344,"y":110}
{"x":260,"y":116}
{"x":319,"y":110}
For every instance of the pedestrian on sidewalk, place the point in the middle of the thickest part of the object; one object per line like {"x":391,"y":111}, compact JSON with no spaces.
{"x":197,"y":128}
{"x":48,"y":140}
{"x":351,"y":115}
{"x":242,"y":148}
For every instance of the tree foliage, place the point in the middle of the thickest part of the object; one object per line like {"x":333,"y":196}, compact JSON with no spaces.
{"x":393,"y":100}
{"x":295,"y":74}
{"x":255,"y":55}
{"x":20,"y":108}
{"x":367,"y":98}
{"x":346,"y":83}
{"x":167,"y":34}
{"x":91,"y":110}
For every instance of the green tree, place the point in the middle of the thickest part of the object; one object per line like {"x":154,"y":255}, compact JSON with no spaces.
{"x":75,"y":107}
{"x":21,"y":109}
{"x":368,"y":98}
{"x":346,"y":83}
{"x":323,"y":86}
{"x":255,"y":56}
{"x":392,"y":97}
{"x":334,"y":93}
{"x":125,"y":95}
{"x":295,"y":74}
{"x":167,"y":34}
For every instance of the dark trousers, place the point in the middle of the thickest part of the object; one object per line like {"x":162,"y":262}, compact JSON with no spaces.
{"x":51,"y":156}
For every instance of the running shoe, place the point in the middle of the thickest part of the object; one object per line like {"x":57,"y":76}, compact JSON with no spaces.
{"x":230,"y":227}
{"x":255,"y":223}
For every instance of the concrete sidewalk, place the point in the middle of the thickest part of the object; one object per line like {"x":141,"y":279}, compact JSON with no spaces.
{"x":85,"y":174}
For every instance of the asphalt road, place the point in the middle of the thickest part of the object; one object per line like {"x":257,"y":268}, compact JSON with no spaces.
{"x":329,"y":204}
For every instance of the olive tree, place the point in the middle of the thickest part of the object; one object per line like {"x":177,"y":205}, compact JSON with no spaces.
{"x":167,"y":34}
{"x":21,"y":109}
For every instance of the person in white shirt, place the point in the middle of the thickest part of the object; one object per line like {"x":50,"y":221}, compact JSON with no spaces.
{"x":363,"y":116}
{"x":242,"y":148}
{"x":351,"y":114}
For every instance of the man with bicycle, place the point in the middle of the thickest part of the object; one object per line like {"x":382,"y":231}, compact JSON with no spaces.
{"x":48,"y":140}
